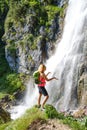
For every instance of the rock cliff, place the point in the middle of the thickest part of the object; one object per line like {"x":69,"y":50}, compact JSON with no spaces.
{"x":31,"y":29}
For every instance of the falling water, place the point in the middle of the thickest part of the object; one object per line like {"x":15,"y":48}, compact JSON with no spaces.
{"x":64,"y":63}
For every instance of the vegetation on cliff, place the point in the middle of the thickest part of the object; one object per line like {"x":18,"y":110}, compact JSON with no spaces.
{"x":26,"y":22}
{"x":3,"y":13}
{"x":10,"y":82}
{"x":15,"y":16}
{"x":38,"y":118}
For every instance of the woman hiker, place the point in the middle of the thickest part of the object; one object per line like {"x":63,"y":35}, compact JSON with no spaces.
{"x":41,"y":86}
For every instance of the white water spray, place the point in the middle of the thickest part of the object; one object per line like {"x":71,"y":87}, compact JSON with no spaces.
{"x":64,"y":63}
{"x":29,"y":100}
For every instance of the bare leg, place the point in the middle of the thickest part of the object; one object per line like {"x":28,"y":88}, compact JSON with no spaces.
{"x":39,"y":99}
{"x":46,"y":98}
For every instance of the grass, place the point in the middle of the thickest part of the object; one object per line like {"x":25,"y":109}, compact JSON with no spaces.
{"x":71,"y":121}
{"x":23,"y":122}
{"x":34,"y":113}
{"x":74,"y":124}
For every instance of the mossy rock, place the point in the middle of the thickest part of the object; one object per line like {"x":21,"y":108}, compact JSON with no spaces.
{"x":4,"y":116}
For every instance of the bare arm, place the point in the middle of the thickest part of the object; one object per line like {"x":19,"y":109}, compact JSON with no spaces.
{"x":48,"y":73}
{"x":48,"y":79}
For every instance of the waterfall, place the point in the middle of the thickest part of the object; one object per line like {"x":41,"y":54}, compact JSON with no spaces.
{"x":64,"y":63}
{"x":69,"y":54}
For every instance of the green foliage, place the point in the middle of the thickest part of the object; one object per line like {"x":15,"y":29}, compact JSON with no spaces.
{"x":51,"y":111}
{"x":23,"y":122}
{"x":9,"y":81}
{"x":18,"y":11}
{"x":3,"y":126}
{"x":8,"y":23}
{"x":12,"y":49}
{"x":3,"y":13}
{"x":86,"y":122}
{"x":3,"y":5}
{"x":52,"y":11}
{"x":2,"y":95}
{"x":73,"y":123}
{"x":4,"y":68}
{"x":38,"y":16}
{"x":83,"y":121}
{"x":28,"y":40}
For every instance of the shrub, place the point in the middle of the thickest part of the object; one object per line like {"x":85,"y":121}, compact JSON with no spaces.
{"x":9,"y":81}
{"x":51,"y":111}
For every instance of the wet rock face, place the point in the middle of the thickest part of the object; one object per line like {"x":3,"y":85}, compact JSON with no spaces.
{"x":82,"y":83}
{"x":42,"y":48}
{"x":25,"y":59}
{"x":82,"y":77}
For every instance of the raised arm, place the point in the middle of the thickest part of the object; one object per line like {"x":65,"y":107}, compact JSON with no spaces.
{"x":48,"y":79}
{"x":48,"y":73}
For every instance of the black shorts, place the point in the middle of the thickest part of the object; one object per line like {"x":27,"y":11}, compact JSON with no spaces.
{"x":43,"y":91}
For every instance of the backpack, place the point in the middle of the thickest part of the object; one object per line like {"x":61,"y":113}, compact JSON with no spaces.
{"x":36,"y":76}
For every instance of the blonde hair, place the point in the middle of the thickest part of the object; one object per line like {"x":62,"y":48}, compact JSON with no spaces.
{"x":41,"y":68}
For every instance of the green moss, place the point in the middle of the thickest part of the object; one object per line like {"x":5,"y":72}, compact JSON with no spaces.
{"x":30,"y":41}
{"x":29,"y":37}
{"x":22,"y":44}
{"x":8,"y":23}
{"x":12,"y":49}
{"x":52,"y":11}
{"x":62,"y":10}
{"x":34,"y":4}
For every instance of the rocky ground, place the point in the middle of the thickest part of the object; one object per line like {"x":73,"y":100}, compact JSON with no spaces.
{"x":51,"y":124}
